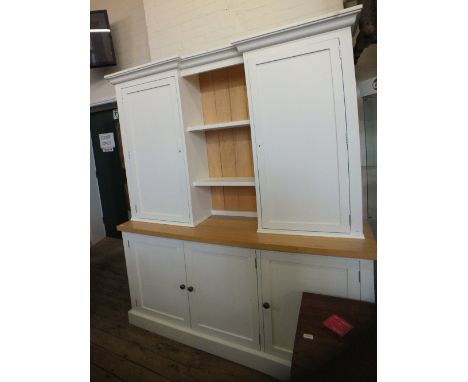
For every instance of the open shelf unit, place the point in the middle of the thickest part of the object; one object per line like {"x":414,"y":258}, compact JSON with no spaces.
{"x":218,"y":126}
{"x":226,"y":182}
{"x":217,"y":132}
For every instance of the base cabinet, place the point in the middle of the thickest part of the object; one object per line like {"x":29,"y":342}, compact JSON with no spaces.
{"x":284,"y":276}
{"x":240,"y":304}
{"x":156,"y":273}
{"x":224,"y":300}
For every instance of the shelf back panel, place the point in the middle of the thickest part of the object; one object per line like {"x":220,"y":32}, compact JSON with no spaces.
{"x":224,"y":99}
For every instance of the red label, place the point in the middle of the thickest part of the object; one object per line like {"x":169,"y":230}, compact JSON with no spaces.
{"x":338,"y":325}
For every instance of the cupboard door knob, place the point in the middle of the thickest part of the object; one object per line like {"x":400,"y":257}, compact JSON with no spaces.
{"x":190,"y":288}
{"x":266,"y":305}
{"x":182,"y":286}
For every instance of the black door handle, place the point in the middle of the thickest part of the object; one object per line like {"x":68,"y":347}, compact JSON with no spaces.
{"x":266,"y":305}
{"x":190,"y":288}
{"x":182,"y":286}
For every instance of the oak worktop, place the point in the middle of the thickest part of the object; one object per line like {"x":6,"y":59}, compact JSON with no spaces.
{"x":242,"y":232}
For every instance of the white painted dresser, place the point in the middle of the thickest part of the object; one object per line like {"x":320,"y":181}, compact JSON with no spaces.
{"x":286,"y":137}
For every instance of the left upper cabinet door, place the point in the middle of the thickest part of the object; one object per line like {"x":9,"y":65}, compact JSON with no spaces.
{"x":157,"y":277}
{"x":155,"y":151}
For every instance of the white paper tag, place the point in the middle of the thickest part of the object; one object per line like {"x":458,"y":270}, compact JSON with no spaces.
{"x":107,"y":142}
{"x":308,"y":336}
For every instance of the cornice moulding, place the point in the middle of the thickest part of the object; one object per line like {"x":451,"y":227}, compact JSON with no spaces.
{"x":232,"y":54}
{"x":143,"y":70}
{"x":210,"y":60}
{"x":207,"y":57}
{"x":321,"y":24}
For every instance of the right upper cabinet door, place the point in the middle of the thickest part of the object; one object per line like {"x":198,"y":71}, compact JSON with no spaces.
{"x":299,"y":131}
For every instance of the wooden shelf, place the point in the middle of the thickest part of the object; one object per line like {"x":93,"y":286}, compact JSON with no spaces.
{"x":225,"y":182}
{"x":218,"y":126}
{"x":242,"y":232}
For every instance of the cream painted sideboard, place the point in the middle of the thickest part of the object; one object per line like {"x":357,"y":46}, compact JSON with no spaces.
{"x":266,"y":127}
{"x":241,"y":300}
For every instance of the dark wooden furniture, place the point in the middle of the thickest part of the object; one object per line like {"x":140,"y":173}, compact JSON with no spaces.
{"x":328,"y":356}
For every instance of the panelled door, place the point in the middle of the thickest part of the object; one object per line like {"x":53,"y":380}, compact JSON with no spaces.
{"x":299,"y":131}
{"x":110,"y":171}
{"x":223,"y":297}
{"x":284,"y":276}
{"x":157,"y":278}
{"x":154,"y":133}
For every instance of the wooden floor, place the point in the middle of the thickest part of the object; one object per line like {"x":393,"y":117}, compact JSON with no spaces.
{"x":122,"y":352}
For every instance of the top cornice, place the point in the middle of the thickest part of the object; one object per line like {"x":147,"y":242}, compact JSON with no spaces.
{"x":232,"y":53}
{"x":306,"y":28}
{"x":143,"y":70}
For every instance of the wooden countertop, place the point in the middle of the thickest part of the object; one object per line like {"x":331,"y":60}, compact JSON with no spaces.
{"x":242,"y":232}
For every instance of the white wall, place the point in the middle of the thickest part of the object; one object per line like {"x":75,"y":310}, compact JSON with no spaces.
{"x":129,"y":35}
{"x":179,"y":27}
{"x":98,"y":231}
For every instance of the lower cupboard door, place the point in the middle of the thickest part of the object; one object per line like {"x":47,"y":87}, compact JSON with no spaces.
{"x":156,"y":270}
{"x":224,"y":301}
{"x":284,"y":276}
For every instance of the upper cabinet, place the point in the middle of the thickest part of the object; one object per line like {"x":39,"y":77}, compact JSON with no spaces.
{"x":153,"y":135}
{"x":265,"y":127}
{"x":299,"y":124}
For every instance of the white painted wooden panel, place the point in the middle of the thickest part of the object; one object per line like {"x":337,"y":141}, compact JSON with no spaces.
{"x":367,"y":280}
{"x":224,"y":302}
{"x":284,"y":276}
{"x":299,"y":125}
{"x":132,"y":272}
{"x":157,"y":173}
{"x":159,"y":270}
{"x":195,"y":145}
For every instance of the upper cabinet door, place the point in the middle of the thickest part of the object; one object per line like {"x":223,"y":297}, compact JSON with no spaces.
{"x":299,"y":127}
{"x":153,"y":131}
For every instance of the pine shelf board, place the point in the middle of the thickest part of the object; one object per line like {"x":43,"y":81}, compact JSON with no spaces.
{"x":225,"y":182}
{"x":218,"y":126}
